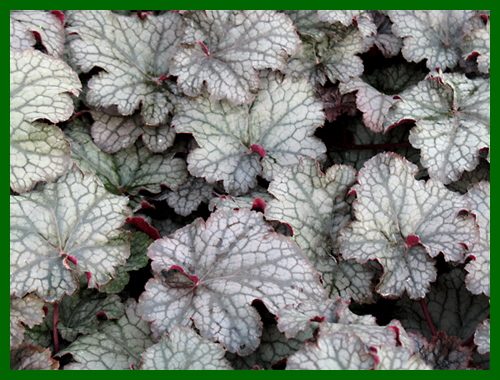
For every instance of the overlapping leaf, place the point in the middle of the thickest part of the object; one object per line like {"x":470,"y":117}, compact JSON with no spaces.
{"x":224,"y":49}
{"x":239,"y":142}
{"x":24,"y":25}
{"x":117,"y":344}
{"x":362,"y":19}
{"x":78,"y":314}
{"x":135,"y":54}
{"x":24,"y":311}
{"x":128,"y":170}
{"x":274,"y":347}
{"x":401,"y":222}
{"x":183,"y":349}
{"x":482,"y":337}
{"x":188,"y":196}
{"x":358,"y":144}
{"x":478,"y":42}
{"x":38,"y":84}
{"x":451,"y":307}
{"x":478,"y":279}
{"x":376,"y":92}
{"x":388,"y":44}
{"x":334,"y":57}
{"x":138,"y":247}
{"x":67,"y":228}
{"x":444,"y":352}
{"x":27,"y":357}
{"x":335,"y":351}
{"x":452,"y":122}
{"x":314,"y":205}
{"x":435,"y":35}
{"x":112,"y":132}
{"x":211,"y":272}
{"x":399,"y":358}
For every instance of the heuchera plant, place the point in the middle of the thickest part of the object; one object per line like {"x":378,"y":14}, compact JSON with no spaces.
{"x":249,"y":189}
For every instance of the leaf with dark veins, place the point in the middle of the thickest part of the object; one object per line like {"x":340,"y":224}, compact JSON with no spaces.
{"x":224,"y":49}
{"x":25,"y":24}
{"x":478,"y":279}
{"x":117,"y":344}
{"x":24,"y":311}
{"x":135,"y":55}
{"x":68,"y":228}
{"x":432,"y":34}
{"x":281,"y":121}
{"x":38,"y":90}
{"x":184,"y":349}
{"x":313,"y":204}
{"x":112,"y":132}
{"x":210,"y":272}
{"x":392,"y":206}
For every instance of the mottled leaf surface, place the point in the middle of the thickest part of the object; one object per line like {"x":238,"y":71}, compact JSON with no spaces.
{"x":130,"y":169}
{"x":444,"y":352}
{"x":314,"y":205}
{"x":184,"y":349}
{"x":67,"y":228}
{"x":25,"y":24}
{"x":362,"y":19}
{"x":24,"y":311}
{"x":274,"y":346}
{"x":478,"y":42}
{"x":482,"y":337}
{"x":112,"y":132}
{"x":188,"y":196}
{"x":452,"y":308}
{"x":211,"y":272}
{"x":399,"y":358}
{"x":332,"y":352}
{"x":38,"y":86}
{"x":394,"y":211}
{"x":138,"y":259}
{"x":78,"y":314}
{"x":388,"y":44}
{"x":224,"y":49}
{"x":452,"y":115}
{"x":27,"y":357}
{"x":432,"y":34}
{"x":239,"y":142}
{"x":478,"y":279}
{"x":135,"y":55}
{"x":117,"y":344}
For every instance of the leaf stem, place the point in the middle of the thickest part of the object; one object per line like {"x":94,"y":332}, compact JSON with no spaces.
{"x":428,"y":317}
{"x":55,"y":320}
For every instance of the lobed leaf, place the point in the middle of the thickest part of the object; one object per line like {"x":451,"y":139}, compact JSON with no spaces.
{"x":183,"y":349}
{"x":24,"y":311}
{"x":209,"y":274}
{"x":239,"y":142}
{"x":224,"y":49}
{"x":68,"y":228}
{"x":26,"y":25}
{"x":432,"y":34}
{"x":27,"y":357}
{"x":478,"y":279}
{"x":112,"y":132}
{"x":336,"y":351}
{"x":38,"y":83}
{"x":401,"y":222}
{"x":135,"y":55}
{"x":314,"y":205}
{"x":116,"y":345}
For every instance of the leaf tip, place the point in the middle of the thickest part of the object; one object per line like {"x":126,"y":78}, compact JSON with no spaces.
{"x":412,"y":240}
{"x":259,"y":205}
